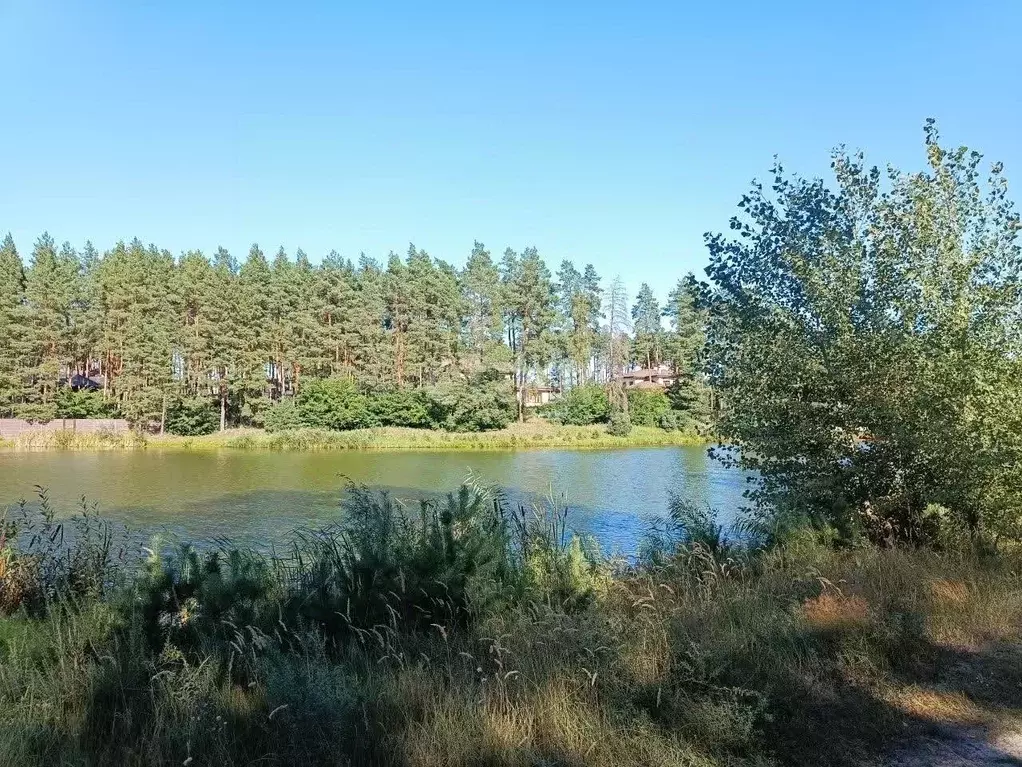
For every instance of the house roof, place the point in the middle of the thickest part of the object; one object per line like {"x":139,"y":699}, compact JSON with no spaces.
{"x":649,"y":373}
{"x":644,"y":384}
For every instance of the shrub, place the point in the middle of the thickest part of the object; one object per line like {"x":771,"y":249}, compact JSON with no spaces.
{"x":82,"y":404}
{"x":191,"y":417}
{"x":406,"y":407}
{"x":479,"y":406}
{"x":335,"y":404}
{"x":36,"y":412}
{"x":283,"y":416}
{"x":672,"y":420}
{"x":620,"y":425}
{"x":584,"y":405}
{"x":384,"y":564}
{"x":647,"y":406}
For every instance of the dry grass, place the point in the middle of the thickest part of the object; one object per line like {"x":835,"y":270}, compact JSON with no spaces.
{"x":807,"y":658}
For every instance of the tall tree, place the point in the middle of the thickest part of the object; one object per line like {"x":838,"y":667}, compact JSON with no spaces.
{"x":255,"y":299}
{"x":864,"y":337}
{"x":647,"y":346}
{"x":484,"y":325}
{"x":686,"y":309}
{"x":50,"y":285}
{"x":617,"y":329}
{"x":529,"y":302}
{"x":14,"y":321}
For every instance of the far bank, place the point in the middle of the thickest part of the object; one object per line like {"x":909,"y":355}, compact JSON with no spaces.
{"x":530,"y":435}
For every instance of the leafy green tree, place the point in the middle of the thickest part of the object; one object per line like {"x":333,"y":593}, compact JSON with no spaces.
{"x":191,"y":417}
{"x":583,"y":405}
{"x":646,"y":407}
{"x":403,"y":407}
{"x":333,"y":404}
{"x":81,"y":404}
{"x":481,"y":405}
{"x":864,"y":339}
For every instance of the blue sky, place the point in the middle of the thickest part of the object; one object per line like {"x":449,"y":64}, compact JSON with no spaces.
{"x":615,"y":133}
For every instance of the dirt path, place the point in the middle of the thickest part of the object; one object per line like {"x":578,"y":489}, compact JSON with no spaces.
{"x":962,"y":747}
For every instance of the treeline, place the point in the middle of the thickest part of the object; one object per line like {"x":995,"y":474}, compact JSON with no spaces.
{"x":162,"y":335}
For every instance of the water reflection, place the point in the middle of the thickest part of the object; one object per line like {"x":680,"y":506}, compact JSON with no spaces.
{"x":256,"y":498}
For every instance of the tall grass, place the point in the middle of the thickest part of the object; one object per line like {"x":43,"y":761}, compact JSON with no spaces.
{"x":536,"y":434}
{"x":466,"y":631}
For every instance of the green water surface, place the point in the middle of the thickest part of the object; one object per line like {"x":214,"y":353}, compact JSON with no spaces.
{"x":257,"y":498}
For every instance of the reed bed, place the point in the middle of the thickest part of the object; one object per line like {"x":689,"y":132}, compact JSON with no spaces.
{"x":536,"y":435}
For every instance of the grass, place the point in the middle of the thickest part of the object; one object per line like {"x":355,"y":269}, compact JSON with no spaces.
{"x":476,"y":639}
{"x":536,"y":433}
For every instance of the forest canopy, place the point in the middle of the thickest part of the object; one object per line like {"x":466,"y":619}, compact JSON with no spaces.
{"x":201,"y":342}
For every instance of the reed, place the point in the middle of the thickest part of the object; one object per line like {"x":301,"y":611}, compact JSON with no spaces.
{"x":517,"y":437}
{"x":465,"y":632}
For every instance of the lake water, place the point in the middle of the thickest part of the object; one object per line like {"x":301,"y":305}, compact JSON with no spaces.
{"x":256,"y":498}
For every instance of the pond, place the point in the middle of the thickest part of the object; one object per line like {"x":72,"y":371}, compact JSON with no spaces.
{"x":256,"y":498}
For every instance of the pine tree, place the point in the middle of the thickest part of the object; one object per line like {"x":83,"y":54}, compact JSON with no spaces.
{"x":647,"y":346}
{"x":226,"y":340}
{"x":686,"y":311}
{"x":195,"y":330}
{"x":617,"y":341}
{"x":529,"y":301}
{"x":336,"y":298}
{"x":14,"y":330}
{"x":484,"y":325}
{"x":254,"y":293}
{"x":49,"y":291}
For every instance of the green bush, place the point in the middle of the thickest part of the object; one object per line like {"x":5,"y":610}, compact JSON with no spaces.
{"x":82,"y":404}
{"x":191,"y":417}
{"x":619,"y":425}
{"x":333,"y":403}
{"x":673,"y":420}
{"x":338,"y":405}
{"x":479,"y":406}
{"x":647,"y":406}
{"x":283,"y":416}
{"x":36,"y":412}
{"x":583,"y":405}
{"x":408,"y":407}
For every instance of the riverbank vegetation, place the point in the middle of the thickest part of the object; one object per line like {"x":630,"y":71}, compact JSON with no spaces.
{"x":866,"y":336}
{"x":535,"y":433}
{"x":466,"y":632}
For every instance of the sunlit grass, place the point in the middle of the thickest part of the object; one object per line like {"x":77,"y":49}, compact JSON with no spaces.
{"x":532,"y":434}
{"x":798,"y":655}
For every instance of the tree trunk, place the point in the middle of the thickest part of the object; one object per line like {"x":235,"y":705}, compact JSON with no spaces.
{"x":223,"y":407}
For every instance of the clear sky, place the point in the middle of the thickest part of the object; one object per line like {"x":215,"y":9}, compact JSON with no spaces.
{"x":615,"y":133}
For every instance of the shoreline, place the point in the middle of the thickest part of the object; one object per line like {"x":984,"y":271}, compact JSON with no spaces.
{"x":528,"y":436}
